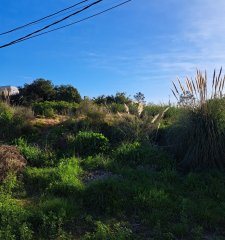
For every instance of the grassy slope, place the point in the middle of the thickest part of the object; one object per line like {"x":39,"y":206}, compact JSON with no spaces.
{"x":143,"y":197}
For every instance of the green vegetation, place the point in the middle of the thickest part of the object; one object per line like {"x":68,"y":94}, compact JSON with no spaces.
{"x":50,"y":108}
{"x":90,"y":170}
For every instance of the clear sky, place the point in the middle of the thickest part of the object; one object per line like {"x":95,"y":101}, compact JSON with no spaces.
{"x":141,"y":46}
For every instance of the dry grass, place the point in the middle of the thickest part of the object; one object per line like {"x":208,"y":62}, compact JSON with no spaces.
{"x":49,"y":121}
{"x":11,"y":160}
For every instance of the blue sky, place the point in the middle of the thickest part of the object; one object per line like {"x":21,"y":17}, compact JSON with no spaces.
{"x":141,"y":46}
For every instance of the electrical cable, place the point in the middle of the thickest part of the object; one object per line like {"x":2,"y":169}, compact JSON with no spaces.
{"x":65,"y":26}
{"x":54,"y":23}
{"x":43,"y":18}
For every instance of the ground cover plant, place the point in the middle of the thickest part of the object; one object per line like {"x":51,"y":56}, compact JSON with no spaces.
{"x":108,"y":172}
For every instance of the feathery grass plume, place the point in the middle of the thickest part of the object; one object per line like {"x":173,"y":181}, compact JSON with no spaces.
{"x":181,"y":87}
{"x":175,"y":88}
{"x":155,"y":118}
{"x":200,"y":88}
{"x":174,"y":94}
{"x":127,"y":110}
{"x":193,"y":85}
{"x":198,"y":138}
{"x":140,"y":109}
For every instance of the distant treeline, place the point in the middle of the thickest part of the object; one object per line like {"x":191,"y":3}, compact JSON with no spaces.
{"x":41,"y":90}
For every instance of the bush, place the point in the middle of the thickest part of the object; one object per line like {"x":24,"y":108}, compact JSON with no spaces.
{"x":129,"y":153}
{"x":57,"y":180}
{"x":117,"y":107}
{"x":133,"y":154}
{"x":22,"y":113}
{"x":131,"y":128}
{"x":90,"y":143}
{"x":69,"y":184}
{"x":37,"y":180}
{"x":109,"y":197}
{"x":49,"y":108}
{"x":93,"y":112}
{"x":13,"y":218}
{"x":51,"y":216}
{"x":113,"y":231}
{"x":13,"y":121}
{"x":198,"y":137}
{"x":96,"y":162}
{"x":6,"y":113}
{"x":34,"y":155}
{"x":153,"y":110}
{"x":69,"y":170}
{"x":12,"y":186}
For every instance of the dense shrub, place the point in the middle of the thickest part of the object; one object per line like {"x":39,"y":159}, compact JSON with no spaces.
{"x":131,"y":128}
{"x":37,"y":180}
{"x":90,"y":143}
{"x":14,"y":121}
{"x":69,"y":184}
{"x":99,"y":161}
{"x":13,"y":220}
{"x":173,"y":113}
{"x":134,"y":154}
{"x":69,"y":171}
{"x":35,"y":156}
{"x":112,"y":231}
{"x":48,"y":109}
{"x":48,"y":217}
{"x":198,"y":137}
{"x":92,"y":111}
{"x":153,"y":110}
{"x":117,"y":107}
{"x":130,"y":153}
{"x":111,"y":196}
{"x":62,"y":137}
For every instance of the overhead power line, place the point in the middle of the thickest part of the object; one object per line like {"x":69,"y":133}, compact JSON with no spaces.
{"x":52,"y":24}
{"x":43,"y":18}
{"x":65,"y":26}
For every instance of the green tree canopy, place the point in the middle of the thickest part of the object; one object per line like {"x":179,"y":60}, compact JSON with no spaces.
{"x":39,"y":90}
{"x":67,"y":93}
{"x":139,"y":97}
{"x":119,"y":98}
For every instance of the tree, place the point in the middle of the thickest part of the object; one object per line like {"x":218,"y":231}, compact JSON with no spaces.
{"x":139,"y":97}
{"x":67,"y":93}
{"x":121,"y":98}
{"x":38,"y":90}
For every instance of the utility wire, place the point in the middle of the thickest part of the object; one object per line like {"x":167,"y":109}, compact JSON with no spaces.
{"x":54,"y":23}
{"x":41,"y":19}
{"x":68,"y":25}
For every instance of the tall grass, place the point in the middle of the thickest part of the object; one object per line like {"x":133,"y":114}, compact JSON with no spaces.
{"x":199,"y":89}
{"x":198,"y":137}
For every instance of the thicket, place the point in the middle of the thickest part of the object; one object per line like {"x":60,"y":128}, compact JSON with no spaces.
{"x":51,"y":108}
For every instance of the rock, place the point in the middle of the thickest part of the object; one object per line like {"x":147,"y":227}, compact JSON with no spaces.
{"x":97,"y":175}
